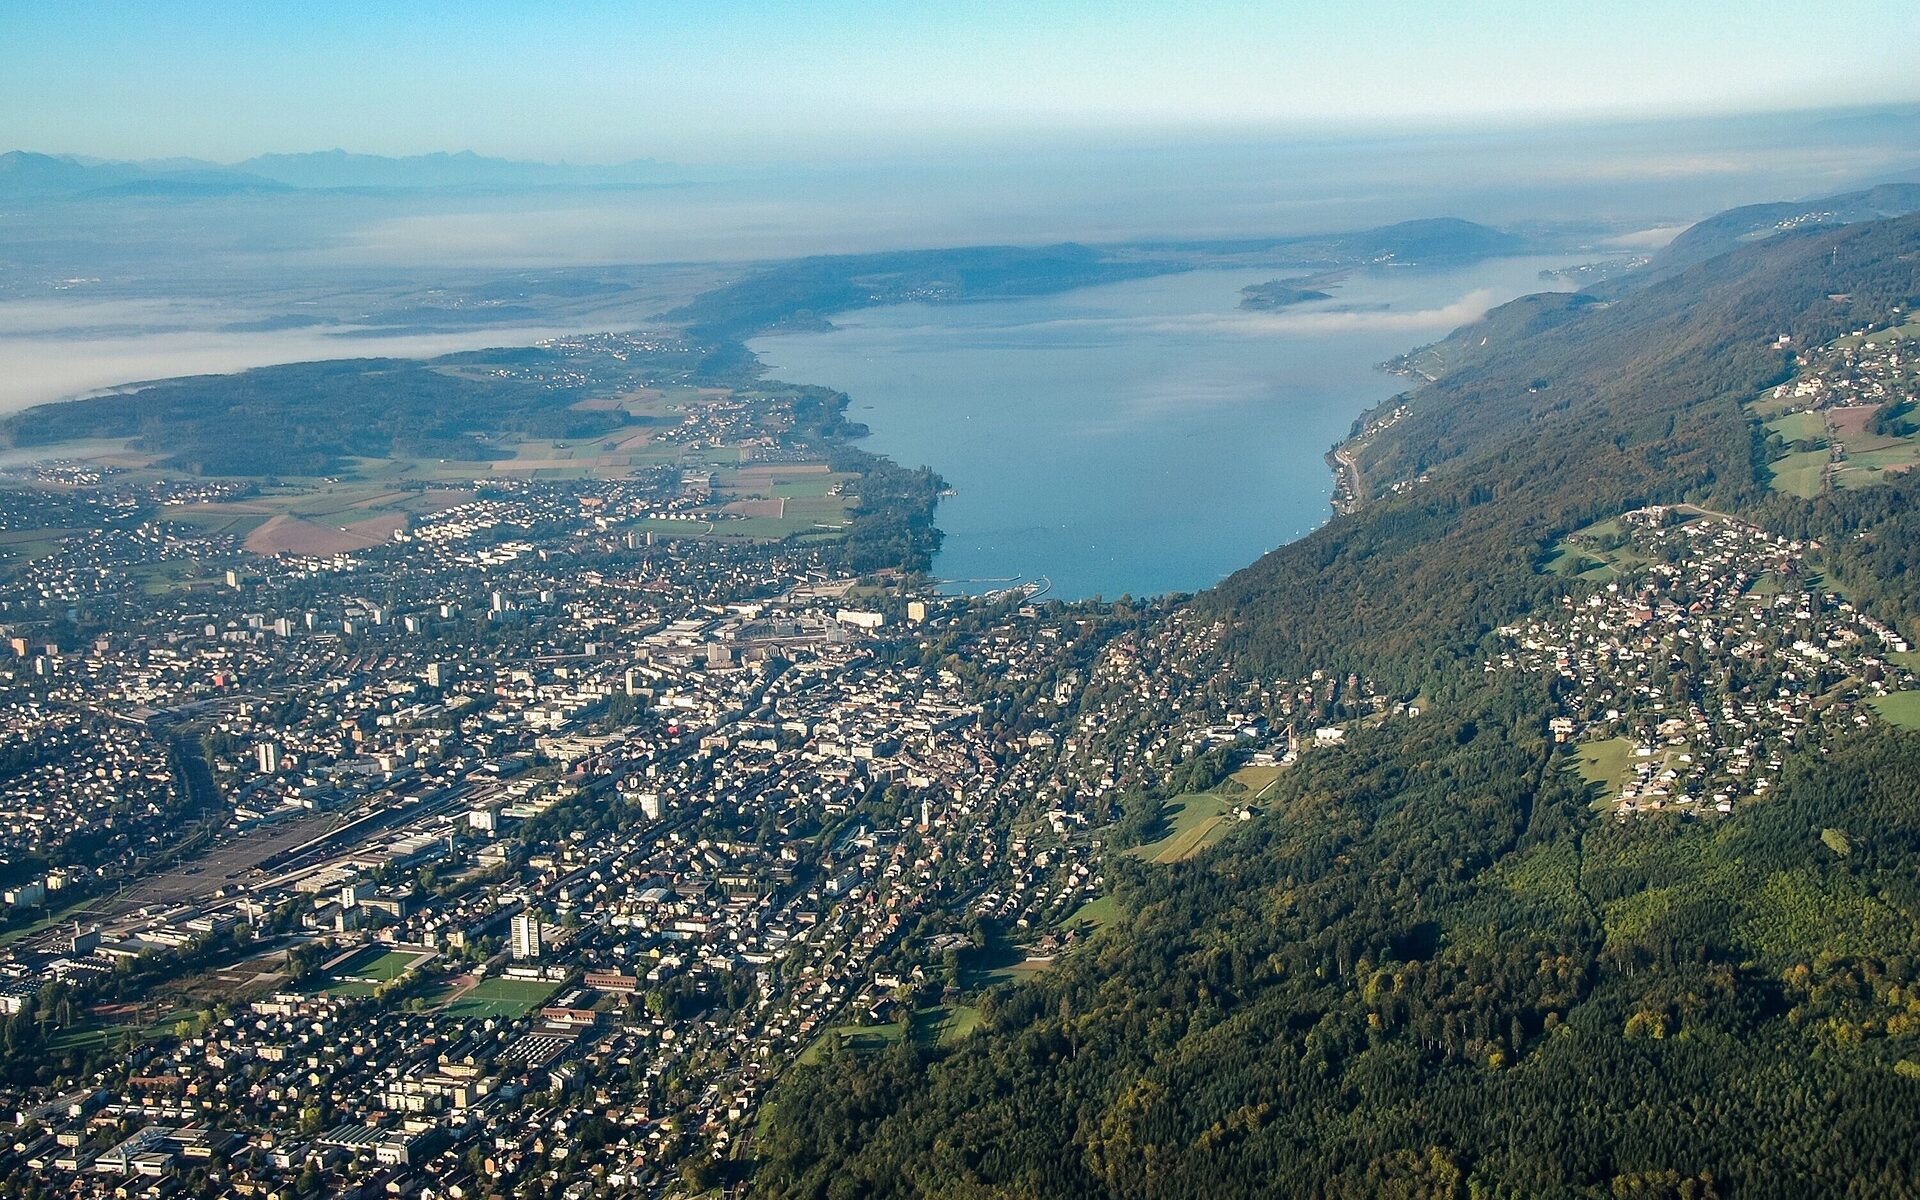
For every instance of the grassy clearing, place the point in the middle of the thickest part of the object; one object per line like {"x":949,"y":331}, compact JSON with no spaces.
{"x":1588,"y":554}
{"x":1901,"y":709}
{"x":1194,"y":822}
{"x":1802,"y":474}
{"x":859,"y":1038}
{"x":1099,"y":911}
{"x":937,"y":1025}
{"x":1605,"y":764}
{"x":89,"y":1036}
{"x":1002,"y":961}
{"x":1802,"y":426}
{"x":945,"y":1024}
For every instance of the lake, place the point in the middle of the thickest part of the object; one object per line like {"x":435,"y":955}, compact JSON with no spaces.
{"x":1135,"y":438}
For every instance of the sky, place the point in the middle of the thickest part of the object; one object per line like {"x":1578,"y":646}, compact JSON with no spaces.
{"x":784,"y":80}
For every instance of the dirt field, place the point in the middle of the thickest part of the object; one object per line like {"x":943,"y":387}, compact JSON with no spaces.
{"x":1851,"y":422}
{"x":776,"y":508}
{"x":292,"y":535}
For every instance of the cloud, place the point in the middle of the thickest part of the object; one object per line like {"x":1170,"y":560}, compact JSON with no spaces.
{"x":1315,"y":318}
{"x":1312,"y":319}
{"x":46,"y":364}
{"x":1645,"y":239}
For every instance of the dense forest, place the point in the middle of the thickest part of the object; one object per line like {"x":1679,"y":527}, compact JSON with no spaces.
{"x":1434,"y":974}
{"x":1433,"y":970}
{"x":803,"y":293}
{"x":1750,"y":222}
{"x":310,"y":418}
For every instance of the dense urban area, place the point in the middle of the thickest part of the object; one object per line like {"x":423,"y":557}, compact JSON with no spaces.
{"x":535,"y":840}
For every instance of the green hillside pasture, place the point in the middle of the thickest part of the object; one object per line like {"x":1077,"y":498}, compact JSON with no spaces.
{"x":1802,"y":474}
{"x":1194,"y":822}
{"x":1900,"y":709}
{"x":1802,"y":426}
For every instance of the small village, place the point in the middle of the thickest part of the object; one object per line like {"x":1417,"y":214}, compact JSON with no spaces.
{"x":1688,"y":677}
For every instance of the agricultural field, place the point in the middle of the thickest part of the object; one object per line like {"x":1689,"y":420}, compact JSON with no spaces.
{"x":26,"y":545}
{"x":776,"y":500}
{"x":1258,"y":781}
{"x":1801,"y":474}
{"x":1871,"y":464}
{"x":321,"y":517}
{"x":1833,"y":404}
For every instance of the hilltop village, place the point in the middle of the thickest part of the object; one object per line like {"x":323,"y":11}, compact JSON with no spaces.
{"x":1687,"y":680}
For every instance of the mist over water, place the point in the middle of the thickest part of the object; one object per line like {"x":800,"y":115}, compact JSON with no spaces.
{"x":1143,"y":437}
{"x":97,"y":292}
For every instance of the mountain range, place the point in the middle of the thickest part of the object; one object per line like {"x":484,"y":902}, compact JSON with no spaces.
{"x":25,"y":175}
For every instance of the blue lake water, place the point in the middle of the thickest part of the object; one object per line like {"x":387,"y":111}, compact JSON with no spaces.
{"x":1142,"y":437}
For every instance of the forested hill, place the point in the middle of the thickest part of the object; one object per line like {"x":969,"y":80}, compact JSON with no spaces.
{"x":1752,"y":222}
{"x":1431,"y":968}
{"x":803,"y":293}
{"x":1560,"y":419}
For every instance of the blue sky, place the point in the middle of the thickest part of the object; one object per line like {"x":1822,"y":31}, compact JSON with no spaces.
{"x":722,"y":81}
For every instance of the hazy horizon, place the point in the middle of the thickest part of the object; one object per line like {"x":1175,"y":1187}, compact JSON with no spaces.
{"x":785,"y":131}
{"x":843,"y":79}
{"x":186,"y":270}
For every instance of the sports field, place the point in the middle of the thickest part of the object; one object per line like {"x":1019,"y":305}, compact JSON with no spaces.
{"x":499,"y":997}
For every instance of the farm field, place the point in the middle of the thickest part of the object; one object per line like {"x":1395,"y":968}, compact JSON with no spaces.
{"x":1258,"y":780}
{"x":321,"y":517}
{"x":1801,"y":474}
{"x":1871,"y":466}
{"x":26,"y":545}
